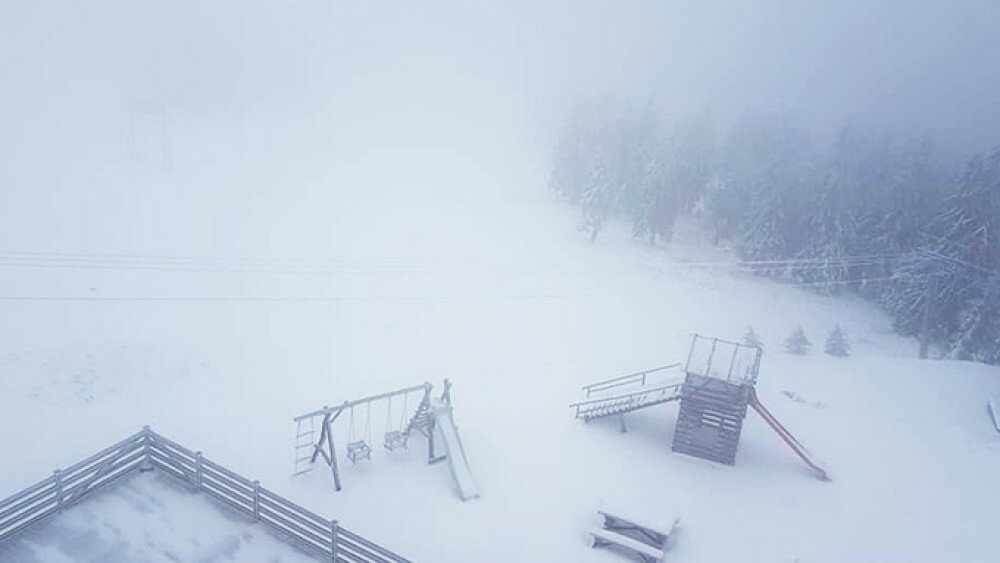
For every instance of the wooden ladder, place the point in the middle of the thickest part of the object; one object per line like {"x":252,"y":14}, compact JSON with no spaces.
{"x":305,"y":443}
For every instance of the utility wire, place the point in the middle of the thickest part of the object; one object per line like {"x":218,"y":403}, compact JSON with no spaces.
{"x":978,"y":269}
{"x":341,"y":298}
{"x":178,"y":257}
{"x":859,"y":280}
{"x":255,"y":265}
{"x":300,"y":266}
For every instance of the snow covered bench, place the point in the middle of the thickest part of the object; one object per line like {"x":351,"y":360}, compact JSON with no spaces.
{"x":648,"y":543}
{"x":604,"y":537}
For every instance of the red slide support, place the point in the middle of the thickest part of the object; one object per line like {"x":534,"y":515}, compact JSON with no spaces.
{"x":787,"y":436}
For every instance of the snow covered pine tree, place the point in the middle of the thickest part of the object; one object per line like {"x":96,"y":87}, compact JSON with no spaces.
{"x":798,"y":343}
{"x":837,"y":344}
{"x":751,"y":338}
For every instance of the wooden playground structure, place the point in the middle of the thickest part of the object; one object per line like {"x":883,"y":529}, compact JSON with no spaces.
{"x":718,"y":385}
{"x":431,"y":417}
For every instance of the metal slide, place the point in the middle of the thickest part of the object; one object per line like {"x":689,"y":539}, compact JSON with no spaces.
{"x":797,"y":446}
{"x":445,"y":423}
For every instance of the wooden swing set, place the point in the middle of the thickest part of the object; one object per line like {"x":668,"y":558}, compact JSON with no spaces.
{"x":396,"y":436}
{"x":309,"y":447}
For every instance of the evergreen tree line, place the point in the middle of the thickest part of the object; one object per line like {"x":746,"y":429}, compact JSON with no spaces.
{"x":871,"y":212}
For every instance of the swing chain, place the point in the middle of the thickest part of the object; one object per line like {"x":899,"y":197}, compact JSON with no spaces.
{"x":350,"y":428}
{"x":368,"y":424}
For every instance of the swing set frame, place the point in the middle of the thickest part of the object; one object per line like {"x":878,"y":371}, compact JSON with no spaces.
{"x":420,"y":420}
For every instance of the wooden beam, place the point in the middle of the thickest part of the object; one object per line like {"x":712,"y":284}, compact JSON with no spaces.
{"x":333,"y":460}
{"x":318,"y":447}
{"x":348,"y":404}
{"x":430,"y":440}
{"x":82,"y":489}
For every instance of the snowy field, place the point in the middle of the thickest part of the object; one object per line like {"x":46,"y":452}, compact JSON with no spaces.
{"x":493,"y":288}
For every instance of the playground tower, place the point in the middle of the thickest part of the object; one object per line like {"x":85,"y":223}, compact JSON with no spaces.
{"x":718,"y":386}
{"x":719,"y":377}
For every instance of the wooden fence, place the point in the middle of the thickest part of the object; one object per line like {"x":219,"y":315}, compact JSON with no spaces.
{"x":147,"y":450}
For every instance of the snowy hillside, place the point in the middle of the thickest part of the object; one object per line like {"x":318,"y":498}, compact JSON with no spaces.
{"x":519,"y":314}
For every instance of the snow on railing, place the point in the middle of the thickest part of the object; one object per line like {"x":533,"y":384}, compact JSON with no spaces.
{"x":724,"y":360}
{"x":147,"y":450}
{"x":66,"y":487}
{"x":638,"y":399}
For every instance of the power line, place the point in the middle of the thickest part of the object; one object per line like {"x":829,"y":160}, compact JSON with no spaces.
{"x":302,"y":299}
{"x":341,"y":298}
{"x":180,"y":257}
{"x":310,"y":266}
{"x":256,"y":265}
{"x":976,"y":267}
{"x":859,"y":280}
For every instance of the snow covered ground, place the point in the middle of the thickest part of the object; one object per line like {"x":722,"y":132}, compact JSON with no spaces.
{"x":495,"y":290}
{"x":148,"y":517}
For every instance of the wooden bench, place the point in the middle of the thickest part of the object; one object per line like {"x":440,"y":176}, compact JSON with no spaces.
{"x":648,"y":543}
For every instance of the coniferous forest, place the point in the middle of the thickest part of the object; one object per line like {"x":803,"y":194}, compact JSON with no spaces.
{"x":870,"y":210}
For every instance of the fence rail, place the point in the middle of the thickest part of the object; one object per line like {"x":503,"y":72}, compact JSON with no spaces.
{"x":632,"y":378}
{"x":148,"y":450}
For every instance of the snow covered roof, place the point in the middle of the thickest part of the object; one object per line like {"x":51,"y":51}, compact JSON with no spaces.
{"x":154,"y":517}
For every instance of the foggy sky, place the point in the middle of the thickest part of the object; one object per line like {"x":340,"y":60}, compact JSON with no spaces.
{"x":494,"y":73}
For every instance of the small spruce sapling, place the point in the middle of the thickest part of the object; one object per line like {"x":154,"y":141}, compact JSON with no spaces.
{"x":798,"y":343}
{"x":837,"y":344}
{"x":751,"y":339}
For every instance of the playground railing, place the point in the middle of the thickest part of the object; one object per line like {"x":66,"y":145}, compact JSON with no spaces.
{"x":676,"y":387}
{"x":639,"y":377}
{"x":724,"y":360}
{"x":146,"y":450}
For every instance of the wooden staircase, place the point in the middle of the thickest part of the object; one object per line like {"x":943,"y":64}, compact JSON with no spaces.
{"x":625,"y":403}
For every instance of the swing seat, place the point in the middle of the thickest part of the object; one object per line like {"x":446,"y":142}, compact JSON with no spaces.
{"x":357,"y":451}
{"x":395,"y":439}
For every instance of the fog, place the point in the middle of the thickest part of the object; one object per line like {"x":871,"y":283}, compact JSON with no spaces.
{"x":218,"y":214}
{"x":281,"y":97}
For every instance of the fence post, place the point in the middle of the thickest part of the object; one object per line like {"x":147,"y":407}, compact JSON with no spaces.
{"x":256,"y":500}
{"x":198,"y":471}
{"x":147,"y":455}
{"x":57,"y":475}
{"x":333,"y":540}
